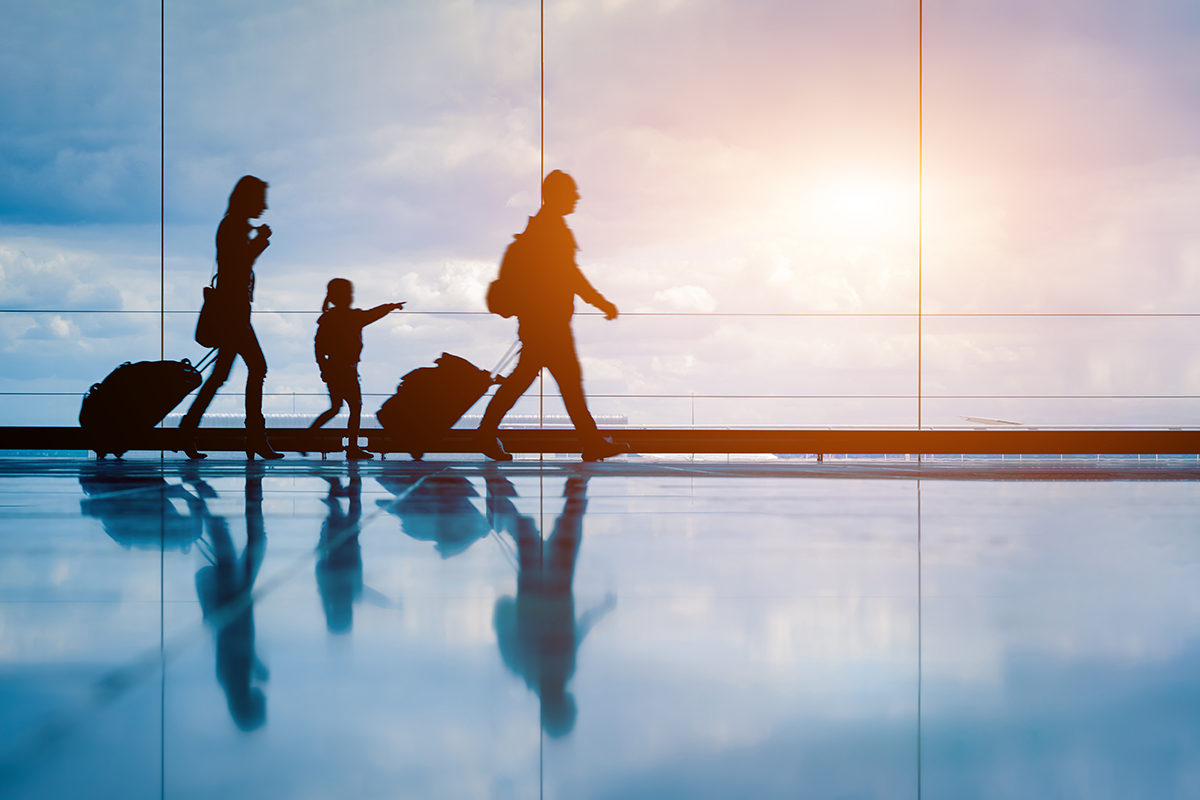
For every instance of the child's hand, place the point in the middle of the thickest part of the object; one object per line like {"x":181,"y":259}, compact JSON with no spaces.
{"x":396,"y":306}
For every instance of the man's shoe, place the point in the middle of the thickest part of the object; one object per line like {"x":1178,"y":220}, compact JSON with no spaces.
{"x":357,"y":454}
{"x":490,"y":446}
{"x":603,"y":448}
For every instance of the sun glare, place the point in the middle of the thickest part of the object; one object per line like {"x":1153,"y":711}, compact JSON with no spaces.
{"x":860,"y":206}
{"x":851,"y":209}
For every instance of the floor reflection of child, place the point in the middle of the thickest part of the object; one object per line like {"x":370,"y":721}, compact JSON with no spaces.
{"x":339,"y":556}
{"x":338,"y":348}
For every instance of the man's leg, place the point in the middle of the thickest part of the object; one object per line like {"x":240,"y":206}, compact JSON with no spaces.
{"x":505,"y":398}
{"x":510,"y":391}
{"x":564,"y":366}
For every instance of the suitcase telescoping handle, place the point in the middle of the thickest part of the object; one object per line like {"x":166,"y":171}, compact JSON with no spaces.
{"x":513,"y":350}
{"x":209,"y":358}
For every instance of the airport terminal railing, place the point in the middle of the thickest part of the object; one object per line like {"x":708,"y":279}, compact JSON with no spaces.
{"x":972,"y":434}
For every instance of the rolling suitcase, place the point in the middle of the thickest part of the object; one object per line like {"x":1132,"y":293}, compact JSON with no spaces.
{"x":429,"y":400}
{"x":135,"y":398}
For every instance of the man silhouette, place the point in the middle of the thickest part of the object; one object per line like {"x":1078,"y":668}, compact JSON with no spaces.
{"x":543,"y":285}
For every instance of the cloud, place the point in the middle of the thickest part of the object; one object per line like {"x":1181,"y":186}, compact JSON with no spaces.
{"x":79,"y":85}
{"x":685,"y":298}
{"x":53,"y":327}
{"x":49,"y":277}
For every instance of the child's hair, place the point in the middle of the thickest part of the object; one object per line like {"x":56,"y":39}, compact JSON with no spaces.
{"x":338,"y":287}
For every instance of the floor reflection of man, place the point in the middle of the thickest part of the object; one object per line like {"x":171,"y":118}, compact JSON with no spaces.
{"x":225,"y":589}
{"x":339,"y":559}
{"x":537,"y":630}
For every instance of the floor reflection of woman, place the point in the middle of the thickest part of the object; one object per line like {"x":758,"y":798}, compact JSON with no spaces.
{"x":237,"y":250}
{"x":537,"y":631}
{"x":225,"y":590}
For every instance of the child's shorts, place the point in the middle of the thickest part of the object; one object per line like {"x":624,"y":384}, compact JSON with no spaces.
{"x":342,"y":381}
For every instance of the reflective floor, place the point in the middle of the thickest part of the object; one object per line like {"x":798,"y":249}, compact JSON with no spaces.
{"x":311,"y":629}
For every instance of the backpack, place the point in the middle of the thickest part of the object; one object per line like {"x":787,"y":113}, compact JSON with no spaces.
{"x":504,"y":293}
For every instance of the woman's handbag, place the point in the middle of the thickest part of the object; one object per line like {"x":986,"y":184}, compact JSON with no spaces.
{"x":214,"y":323}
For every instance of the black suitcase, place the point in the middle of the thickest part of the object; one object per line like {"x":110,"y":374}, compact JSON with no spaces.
{"x":428,"y":402}
{"x":134,"y":398}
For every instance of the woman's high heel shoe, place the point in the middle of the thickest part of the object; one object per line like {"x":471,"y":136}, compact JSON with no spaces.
{"x":256,"y":442}
{"x":188,"y":445}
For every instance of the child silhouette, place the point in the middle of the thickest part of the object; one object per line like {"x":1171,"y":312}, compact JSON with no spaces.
{"x":338,"y":348}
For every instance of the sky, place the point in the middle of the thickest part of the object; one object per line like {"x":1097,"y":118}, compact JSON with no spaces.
{"x":734,"y":159}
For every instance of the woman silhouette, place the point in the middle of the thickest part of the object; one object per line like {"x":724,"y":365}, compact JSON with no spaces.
{"x":236,"y":253}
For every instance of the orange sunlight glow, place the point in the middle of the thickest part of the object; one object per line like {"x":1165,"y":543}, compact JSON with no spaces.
{"x":861,"y":207}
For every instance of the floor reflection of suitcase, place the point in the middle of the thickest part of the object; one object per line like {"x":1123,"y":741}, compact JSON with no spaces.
{"x":134,"y":398}
{"x":429,"y":401}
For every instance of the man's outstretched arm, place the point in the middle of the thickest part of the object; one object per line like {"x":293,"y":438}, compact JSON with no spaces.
{"x":589,"y":295}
